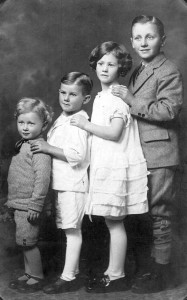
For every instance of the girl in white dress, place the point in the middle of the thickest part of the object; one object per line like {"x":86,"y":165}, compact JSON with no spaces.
{"x":118,"y":170}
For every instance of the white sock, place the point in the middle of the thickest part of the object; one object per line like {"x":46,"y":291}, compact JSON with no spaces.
{"x":73,"y":248}
{"x":118,"y":247}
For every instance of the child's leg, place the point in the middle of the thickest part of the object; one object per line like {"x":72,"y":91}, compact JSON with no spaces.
{"x":27,"y":268}
{"x":33,"y":263}
{"x":118,"y":247}
{"x":73,"y":248}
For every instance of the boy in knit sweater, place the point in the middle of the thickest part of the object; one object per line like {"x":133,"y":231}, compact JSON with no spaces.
{"x":28,"y":182}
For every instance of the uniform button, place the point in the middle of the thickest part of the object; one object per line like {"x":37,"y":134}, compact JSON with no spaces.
{"x":139,"y":114}
{"x":143,"y":115}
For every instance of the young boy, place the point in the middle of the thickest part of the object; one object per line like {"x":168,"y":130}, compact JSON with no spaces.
{"x":155,"y":98}
{"x":28,"y":182}
{"x":69,"y":148}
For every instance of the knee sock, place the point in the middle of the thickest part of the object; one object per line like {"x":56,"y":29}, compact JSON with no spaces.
{"x":73,"y":248}
{"x":33,"y":263}
{"x":118,"y":246}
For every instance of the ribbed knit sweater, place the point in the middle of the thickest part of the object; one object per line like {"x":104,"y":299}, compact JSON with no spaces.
{"x":28,"y":179}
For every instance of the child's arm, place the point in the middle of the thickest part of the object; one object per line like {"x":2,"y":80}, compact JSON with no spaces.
{"x":112,"y":132}
{"x":44,"y":147}
{"x":160,"y":102}
{"x":73,"y":151}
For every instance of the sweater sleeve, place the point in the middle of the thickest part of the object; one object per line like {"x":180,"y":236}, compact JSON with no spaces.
{"x":42,"y":172}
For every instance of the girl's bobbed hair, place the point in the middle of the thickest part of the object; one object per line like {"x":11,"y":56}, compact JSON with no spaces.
{"x":26,"y":105}
{"x":119,"y":51}
{"x":80,"y":79}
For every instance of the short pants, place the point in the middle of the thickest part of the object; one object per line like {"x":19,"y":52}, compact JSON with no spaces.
{"x":70,"y":209}
{"x":26,"y":233}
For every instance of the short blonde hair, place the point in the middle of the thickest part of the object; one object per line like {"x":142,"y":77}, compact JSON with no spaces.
{"x":26,"y":105}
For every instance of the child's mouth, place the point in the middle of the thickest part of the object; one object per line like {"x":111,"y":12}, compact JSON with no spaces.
{"x":25,"y":134}
{"x":144,"y":50}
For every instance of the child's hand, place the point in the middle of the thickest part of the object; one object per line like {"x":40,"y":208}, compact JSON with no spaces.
{"x":32,"y":216}
{"x":79,"y":121}
{"x":122,"y":92}
{"x":39,"y":146}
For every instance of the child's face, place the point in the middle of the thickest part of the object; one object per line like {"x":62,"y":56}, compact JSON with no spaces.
{"x":146,"y":41}
{"x":30,"y":125}
{"x":107,"y":69}
{"x":71,"y":98}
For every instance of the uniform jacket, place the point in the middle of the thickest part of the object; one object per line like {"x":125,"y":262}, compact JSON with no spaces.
{"x":158,"y":98}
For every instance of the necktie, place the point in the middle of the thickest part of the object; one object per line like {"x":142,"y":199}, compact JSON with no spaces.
{"x":19,"y":144}
{"x":140,"y":69}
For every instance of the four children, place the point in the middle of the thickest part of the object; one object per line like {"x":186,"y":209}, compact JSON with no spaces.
{"x":118,"y":170}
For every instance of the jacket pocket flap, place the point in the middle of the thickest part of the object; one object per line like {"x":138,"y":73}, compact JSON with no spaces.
{"x":155,"y":135}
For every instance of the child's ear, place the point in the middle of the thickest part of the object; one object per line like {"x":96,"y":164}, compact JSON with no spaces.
{"x":163,"y":40}
{"x":86,"y":99}
{"x":44,"y":127}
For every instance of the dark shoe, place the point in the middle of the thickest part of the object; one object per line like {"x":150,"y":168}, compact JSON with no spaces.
{"x":62,"y":286}
{"x":105,"y":285}
{"x":91,"y":283}
{"x":14,"y":284}
{"x":147,"y":283}
{"x":162,"y":277}
{"x":32,"y":288}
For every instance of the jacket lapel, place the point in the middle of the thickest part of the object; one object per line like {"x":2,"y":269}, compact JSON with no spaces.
{"x":146,"y":73}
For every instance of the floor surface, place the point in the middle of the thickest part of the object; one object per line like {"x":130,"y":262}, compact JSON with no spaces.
{"x":11,"y":266}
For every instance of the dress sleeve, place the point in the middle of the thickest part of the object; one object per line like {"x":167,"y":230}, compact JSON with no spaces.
{"x":120,"y":110}
{"x":42,"y":172}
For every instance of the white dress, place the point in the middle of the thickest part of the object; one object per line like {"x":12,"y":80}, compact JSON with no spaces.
{"x":118,"y":170}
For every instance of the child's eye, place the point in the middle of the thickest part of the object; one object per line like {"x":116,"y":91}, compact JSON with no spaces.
{"x":31,"y":123}
{"x":61,"y":92}
{"x":100,"y":63}
{"x":20,"y":122}
{"x":73,"y":94}
{"x":137,"y":38}
{"x":150,"y":37}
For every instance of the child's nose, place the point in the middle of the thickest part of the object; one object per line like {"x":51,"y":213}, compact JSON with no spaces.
{"x":25,"y":126}
{"x":105,"y":68}
{"x":66,"y":97}
{"x":144,"y":42}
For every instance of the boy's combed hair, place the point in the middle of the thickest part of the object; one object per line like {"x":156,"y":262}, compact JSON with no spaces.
{"x":149,"y":19}
{"x":26,"y":105}
{"x":119,"y":51}
{"x":80,"y":79}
